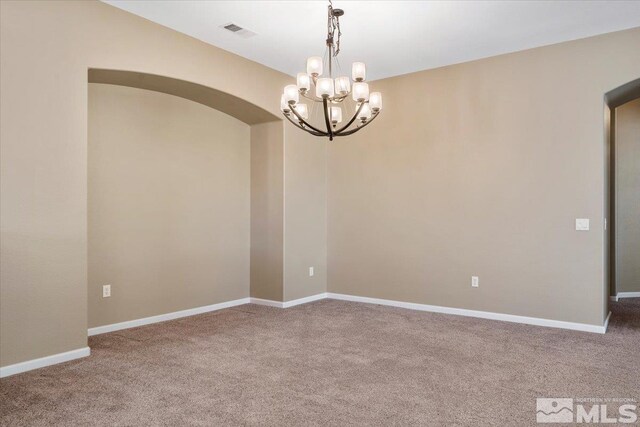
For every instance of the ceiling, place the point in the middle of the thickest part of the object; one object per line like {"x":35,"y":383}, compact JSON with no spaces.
{"x":391,"y":37}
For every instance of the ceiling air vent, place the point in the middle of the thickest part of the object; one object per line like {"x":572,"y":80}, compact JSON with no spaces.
{"x":233,"y":27}
{"x":238,"y":30}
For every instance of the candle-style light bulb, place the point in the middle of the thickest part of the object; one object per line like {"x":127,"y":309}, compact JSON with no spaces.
{"x":314,"y":66}
{"x":304,"y":82}
{"x":291,"y":94}
{"x":358,"y":71}
{"x":284,"y":105}
{"x":365,"y":113}
{"x":343,"y":85}
{"x":302,"y":110}
{"x":324,"y":87}
{"x":335,"y":115}
{"x":360,"y":91}
{"x":375,"y":101}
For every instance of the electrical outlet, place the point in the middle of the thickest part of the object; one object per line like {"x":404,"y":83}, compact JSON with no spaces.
{"x":106,"y":291}
{"x":311,"y":272}
{"x":475,"y":281}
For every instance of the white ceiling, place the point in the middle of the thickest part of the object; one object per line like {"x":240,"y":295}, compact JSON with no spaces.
{"x":391,"y":37}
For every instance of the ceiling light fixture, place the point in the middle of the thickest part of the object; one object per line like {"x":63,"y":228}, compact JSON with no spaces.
{"x":332,"y":93}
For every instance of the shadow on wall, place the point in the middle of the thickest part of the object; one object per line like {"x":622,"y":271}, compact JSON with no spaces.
{"x":218,"y":100}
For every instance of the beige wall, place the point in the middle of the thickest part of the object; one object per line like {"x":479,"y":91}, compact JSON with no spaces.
{"x":267,"y":211}
{"x":288,"y":213}
{"x":168,"y":211}
{"x":627,"y":169}
{"x":305,"y":240}
{"x":481,"y":169}
{"x":46,"y":49}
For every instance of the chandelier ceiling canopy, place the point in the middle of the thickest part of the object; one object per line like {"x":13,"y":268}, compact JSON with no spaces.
{"x":318,"y":92}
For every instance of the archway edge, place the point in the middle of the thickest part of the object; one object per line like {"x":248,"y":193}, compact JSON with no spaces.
{"x":612,"y":100}
{"x":232,"y":105}
{"x":623,"y":94}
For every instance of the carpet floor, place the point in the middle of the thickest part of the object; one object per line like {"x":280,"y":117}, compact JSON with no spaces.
{"x":328,"y":363}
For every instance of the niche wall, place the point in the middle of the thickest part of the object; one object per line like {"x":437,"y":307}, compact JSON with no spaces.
{"x":168,"y":204}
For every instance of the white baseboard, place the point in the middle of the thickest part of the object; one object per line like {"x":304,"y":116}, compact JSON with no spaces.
{"x":613,"y":298}
{"x":54,"y":359}
{"x":304,"y":300}
{"x":287,"y":304}
{"x":475,"y":313}
{"x":199,"y":310}
{"x":267,"y":302}
{"x":83,"y":352}
{"x":408,"y":305}
{"x":628,"y":295}
{"x":164,"y":317}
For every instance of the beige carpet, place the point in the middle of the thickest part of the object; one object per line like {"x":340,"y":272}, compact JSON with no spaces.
{"x":328,"y":363}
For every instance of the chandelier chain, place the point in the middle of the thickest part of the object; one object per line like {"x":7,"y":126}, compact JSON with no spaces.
{"x":333,"y":25}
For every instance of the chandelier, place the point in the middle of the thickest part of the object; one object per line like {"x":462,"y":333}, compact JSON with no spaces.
{"x":335,"y":95}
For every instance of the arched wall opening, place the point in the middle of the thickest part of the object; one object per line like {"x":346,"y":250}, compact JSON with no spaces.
{"x":622,"y":169}
{"x":184,"y":197}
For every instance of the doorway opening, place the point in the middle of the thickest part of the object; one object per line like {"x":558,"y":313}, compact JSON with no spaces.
{"x":622,"y":236}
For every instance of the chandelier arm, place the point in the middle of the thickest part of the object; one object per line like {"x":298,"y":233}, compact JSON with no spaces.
{"x":340,"y":98}
{"x":327,"y":121}
{"x":293,"y":110}
{"x":312,"y":132}
{"x":311,"y":98}
{"x":343,"y":128}
{"x":352,"y":131}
